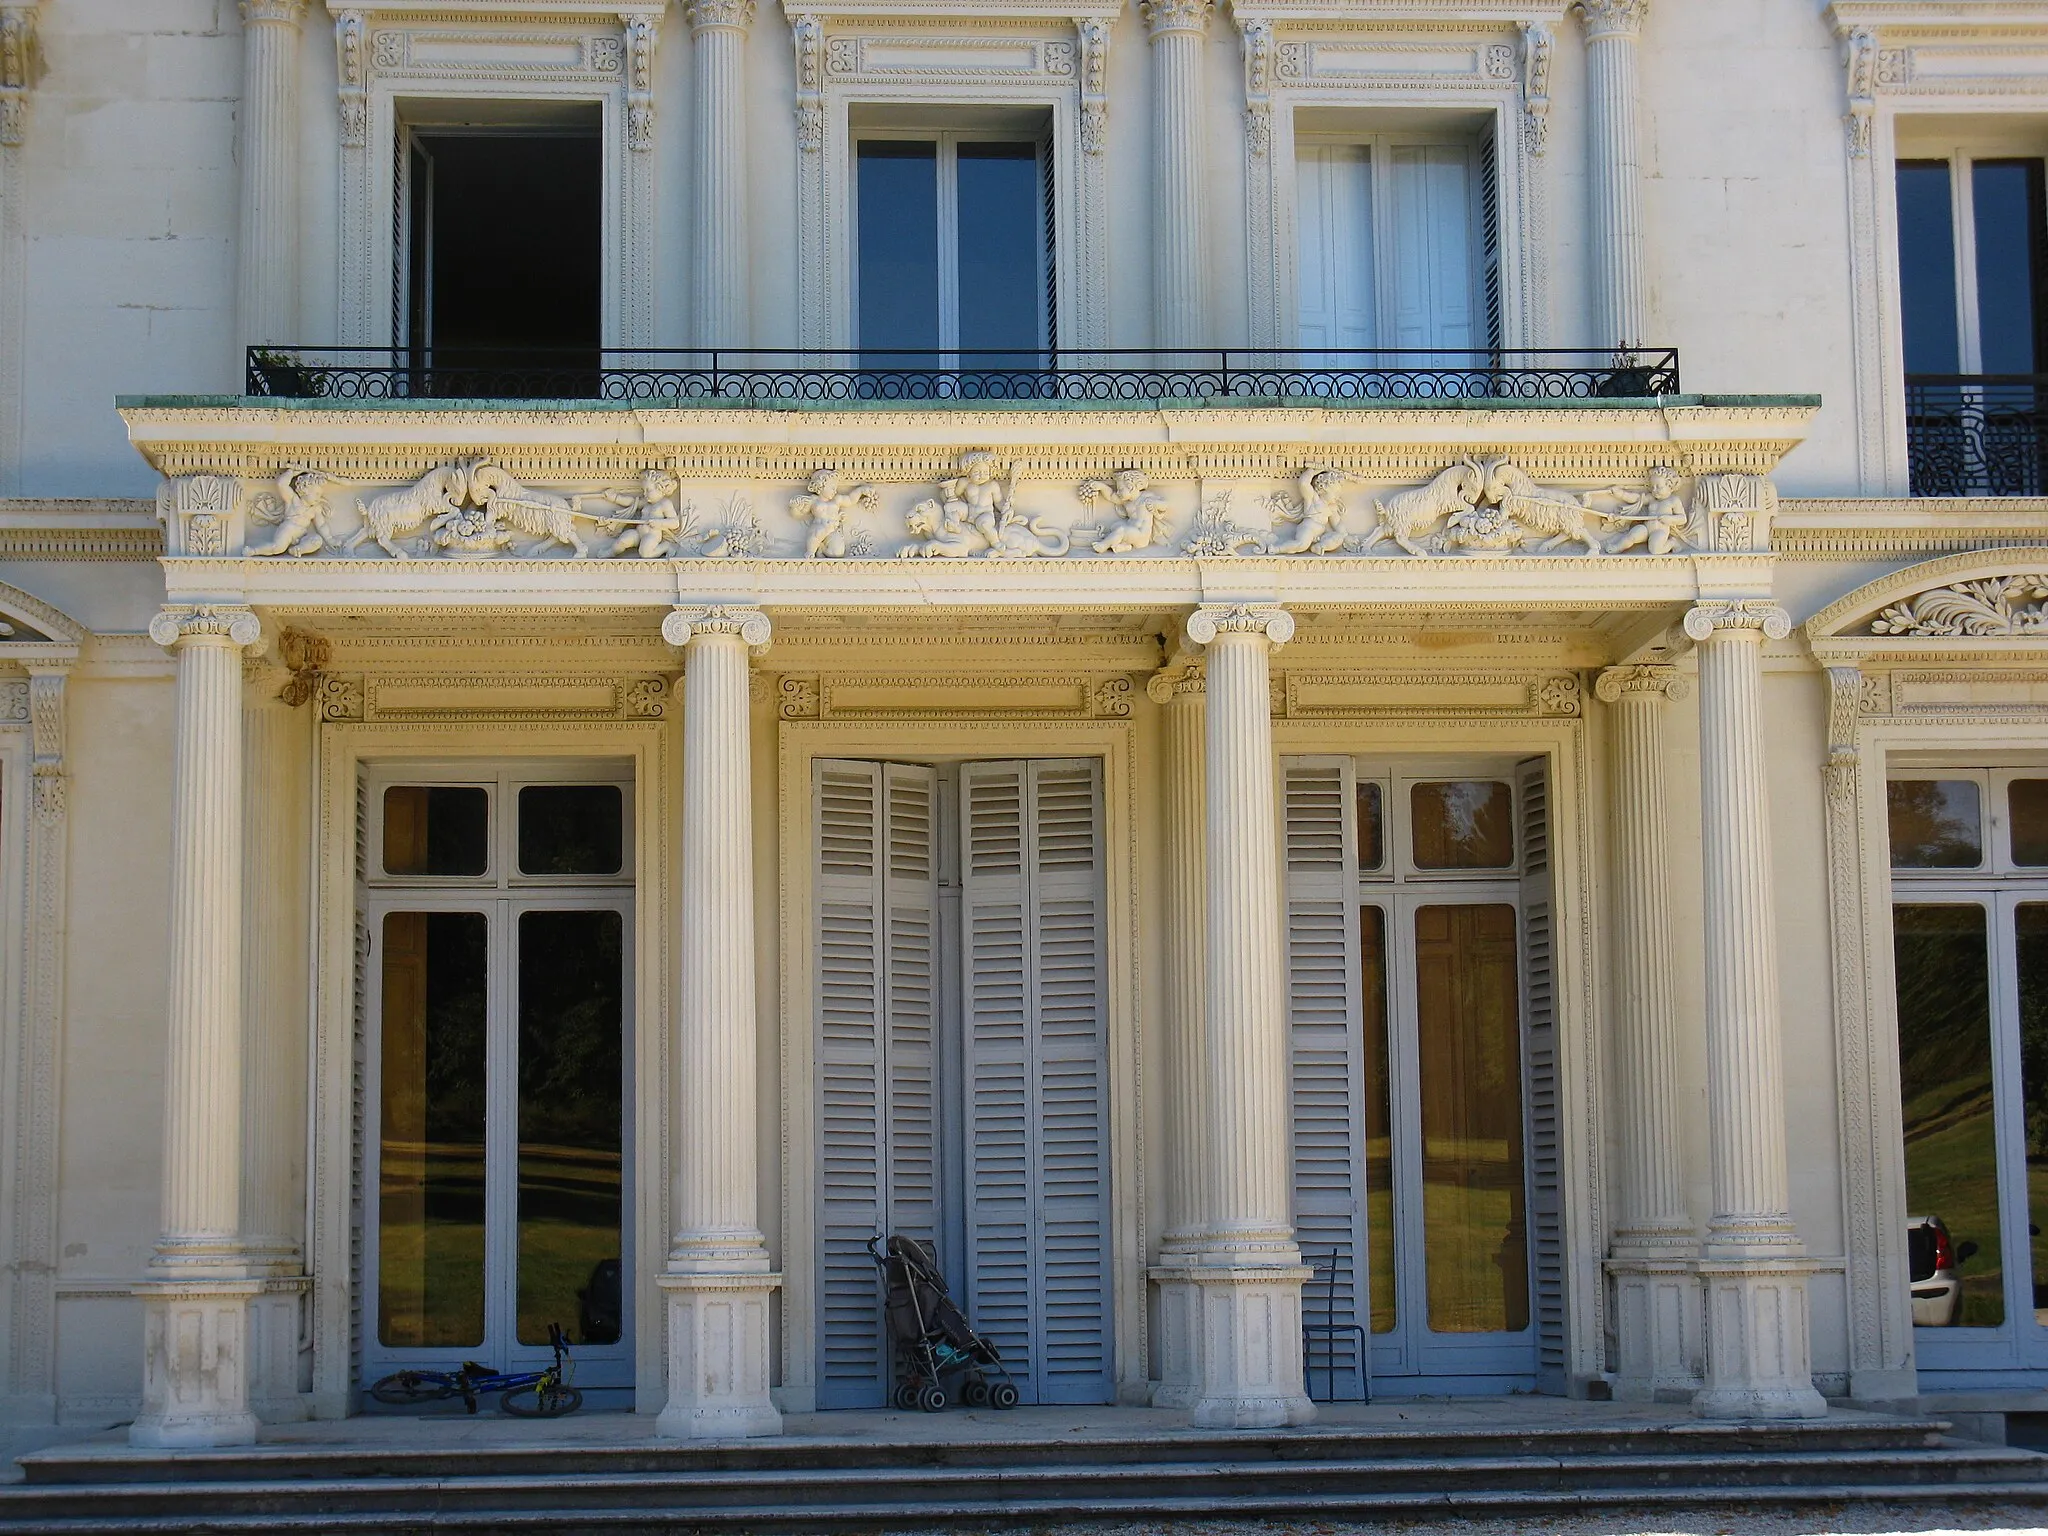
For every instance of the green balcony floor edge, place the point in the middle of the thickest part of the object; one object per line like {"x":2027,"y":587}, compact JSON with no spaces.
{"x":1206,"y":403}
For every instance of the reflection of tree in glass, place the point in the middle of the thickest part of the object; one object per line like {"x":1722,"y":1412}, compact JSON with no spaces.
{"x":2030,"y":922}
{"x":456,"y":943}
{"x":1934,"y":823}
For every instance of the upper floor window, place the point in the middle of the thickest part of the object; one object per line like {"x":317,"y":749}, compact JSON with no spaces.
{"x":1399,"y":244}
{"x":954,"y":253}
{"x":1973,"y":299}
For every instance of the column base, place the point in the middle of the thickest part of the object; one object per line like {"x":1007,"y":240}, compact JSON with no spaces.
{"x":195,"y":1364}
{"x":1759,"y":1359}
{"x":275,"y":1396}
{"x":1659,"y":1330}
{"x":718,"y":1357}
{"x":1179,"y":1334}
{"x":1250,"y":1347}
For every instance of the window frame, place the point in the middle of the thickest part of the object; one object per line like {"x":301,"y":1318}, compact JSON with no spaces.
{"x":501,"y":787}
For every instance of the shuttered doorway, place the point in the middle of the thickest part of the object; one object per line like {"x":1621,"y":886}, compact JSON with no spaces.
{"x":962,"y":1065}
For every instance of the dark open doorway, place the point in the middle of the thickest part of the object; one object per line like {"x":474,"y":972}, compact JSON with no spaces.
{"x":502,"y":245}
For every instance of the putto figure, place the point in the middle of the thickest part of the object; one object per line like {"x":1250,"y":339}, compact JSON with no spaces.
{"x":1656,"y":519}
{"x":973,"y":515}
{"x":1139,"y":511}
{"x":300,"y":514}
{"x":652,"y":526}
{"x":1318,"y":517}
{"x":828,"y":503}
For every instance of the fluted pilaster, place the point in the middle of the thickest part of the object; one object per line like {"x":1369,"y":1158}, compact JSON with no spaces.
{"x":1757,"y":1342}
{"x":1180,"y":268}
{"x":719,"y":282}
{"x":717,"y":1282}
{"x":1614,"y":172}
{"x":1250,"y":1273}
{"x":1180,"y":691}
{"x":267,"y":277}
{"x":195,"y":1373}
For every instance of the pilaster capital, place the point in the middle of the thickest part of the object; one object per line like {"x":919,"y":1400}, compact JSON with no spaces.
{"x":46,"y":715}
{"x":1612,"y":18}
{"x":1164,"y":16}
{"x":1187,"y":680}
{"x":180,"y":622}
{"x":1747,"y":613}
{"x":1206,"y":623}
{"x":749,"y":625}
{"x":17,"y":66}
{"x":734,"y":15}
{"x":284,"y":12}
{"x":1642,"y":680}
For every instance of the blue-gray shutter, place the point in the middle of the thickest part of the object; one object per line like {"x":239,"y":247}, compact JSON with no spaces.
{"x":1546,"y":1183}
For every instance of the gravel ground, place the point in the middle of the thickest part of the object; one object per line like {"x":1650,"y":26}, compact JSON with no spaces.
{"x":1731,"y":1520}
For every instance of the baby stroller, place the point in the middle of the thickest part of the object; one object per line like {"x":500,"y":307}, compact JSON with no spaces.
{"x":929,"y":1332}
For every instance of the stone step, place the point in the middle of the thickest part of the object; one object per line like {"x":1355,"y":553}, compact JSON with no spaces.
{"x":110,"y":1463}
{"x":844,"y":1498}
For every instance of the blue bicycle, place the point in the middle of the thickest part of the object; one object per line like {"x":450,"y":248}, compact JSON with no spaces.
{"x":543,"y":1394}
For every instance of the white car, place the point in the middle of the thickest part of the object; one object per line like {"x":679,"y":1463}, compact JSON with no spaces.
{"x":1933,"y":1261}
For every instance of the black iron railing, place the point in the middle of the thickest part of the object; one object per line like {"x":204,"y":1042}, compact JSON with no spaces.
{"x":1982,"y":434}
{"x":790,"y":377}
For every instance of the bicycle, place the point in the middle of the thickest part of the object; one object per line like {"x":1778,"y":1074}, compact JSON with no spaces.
{"x":543,"y":1394}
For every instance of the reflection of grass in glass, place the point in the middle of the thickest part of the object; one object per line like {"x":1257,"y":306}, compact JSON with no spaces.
{"x":1474,"y":1246}
{"x":1379,"y":1227}
{"x":1950,"y":1174}
{"x":569,"y":1201}
{"x":430,"y":1246}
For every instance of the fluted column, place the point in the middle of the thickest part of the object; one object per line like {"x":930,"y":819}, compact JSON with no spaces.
{"x":719,"y":253}
{"x":18,"y":71}
{"x":267,"y":272}
{"x":1250,"y":1272}
{"x":1180,"y":692}
{"x":197,"y":1292}
{"x":1180,"y":268}
{"x":1614,"y":170}
{"x":1758,"y":1353}
{"x":718,"y":1283}
{"x":1657,"y":1307}
{"x":277,"y":744}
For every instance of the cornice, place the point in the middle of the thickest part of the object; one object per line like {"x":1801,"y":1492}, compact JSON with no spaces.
{"x":1953,"y":18}
{"x":1828,"y":625}
{"x":958,"y":11}
{"x":1492,"y":13}
{"x":500,"y":10}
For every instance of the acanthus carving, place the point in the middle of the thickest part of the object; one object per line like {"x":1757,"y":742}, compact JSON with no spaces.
{"x":828,"y":503}
{"x":1110,"y":699}
{"x":1258,"y":85}
{"x":1733,"y":512}
{"x":46,"y":718}
{"x":720,"y":13}
{"x":1215,"y":533}
{"x":286,"y":11}
{"x":1859,"y":59}
{"x":304,"y":657}
{"x":1139,"y":511}
{"x":1537,"y":44}
{"x":1560,"y":695}
{"x":640,"y":33}
{"x":17,"y":69}
{"x":1994,"y":607}
{"x":1093,"y":33}
{"x":975,"y":514}
{"x":1845,"y":711}
{"x":799,"y":698}
{"x":1609,"y":18}
{"x":1747,"y":613}
{"x":197,"y":509}
{"x":341,"y":698}
{"x":682,"y":625}
{"x":353,"y":78}
{"x":808,"y":35}
{"x":1639,"y":679}
{"x":1163,"y":16}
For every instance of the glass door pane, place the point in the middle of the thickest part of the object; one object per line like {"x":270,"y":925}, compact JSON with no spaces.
{"x":898,"y":250}
{"x":1942,"y":961}
{"x":431,"y":1099}
{"x":2030,"y":923}
{"x":1379,"y":1120}
{"x":1001,"y":245}
{"x":1469,"y":1052}
{"x":571,"y":1118}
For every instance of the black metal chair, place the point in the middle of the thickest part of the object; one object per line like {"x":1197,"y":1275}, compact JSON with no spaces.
{"x":1329,"y":1331}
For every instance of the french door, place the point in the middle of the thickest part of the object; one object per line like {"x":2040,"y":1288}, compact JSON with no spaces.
{"x":497,"y":1002}
{"x":1423,"y":1030}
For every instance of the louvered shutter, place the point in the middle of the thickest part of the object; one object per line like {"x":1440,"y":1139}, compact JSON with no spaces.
{"x":1489,"y":243}
{"x":1433,"y":278}
{"x":1036,"y":1064}
{"x":1546,"y":1189}
{"x":873,"y":894}
{"x":1326,"y":1048}
{"x":1335,"y":274}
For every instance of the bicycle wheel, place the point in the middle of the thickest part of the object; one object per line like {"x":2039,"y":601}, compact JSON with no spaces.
{"x":404,"y":1389}
{"x":542,"y":1400}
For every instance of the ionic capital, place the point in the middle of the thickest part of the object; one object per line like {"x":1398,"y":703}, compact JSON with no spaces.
{"x":1187,"y":680}
{"x":1205,"y":624}
{"x":747,"y":624}
{"x":736,"y":15}
{"x":1164,"y":16}
{"x":180,"y":622}
{"x":288,"y":12}
{"x":1706,"y":618}
{"x":1610,"y":18}
{"x":1644,"y":680}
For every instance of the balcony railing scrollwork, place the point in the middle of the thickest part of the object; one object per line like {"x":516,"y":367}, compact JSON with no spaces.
{"x":1982,"y":434}
{"x":798,"y":378}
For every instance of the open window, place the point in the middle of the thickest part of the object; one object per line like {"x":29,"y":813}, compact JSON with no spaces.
{"x":1973,"y":301}
{"x":498,"y":222}
{"x":1399,"y":239}
{"x":954,"y":242}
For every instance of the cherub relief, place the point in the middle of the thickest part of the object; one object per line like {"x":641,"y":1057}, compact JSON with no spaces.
{"x":828,"y":503}
{"x":1318,"y":517}
{"x":300,"y":514}
{"x":1139,"y":511}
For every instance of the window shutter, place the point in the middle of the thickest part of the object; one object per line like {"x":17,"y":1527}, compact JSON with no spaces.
{"x":1546,"y":1196}
{"x":1047,"y":191}
{"x":875,"y":901}
{"x":1433,"y":279}
{"x":1489,"y":240}
{"x":1334,"y":214}
{"x":1326,"y":1047}
{"x":1036,"y":1064}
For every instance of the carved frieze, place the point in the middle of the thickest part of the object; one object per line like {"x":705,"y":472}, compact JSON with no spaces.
{"x":492,"y":696}
{"x":1996,"y":606}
